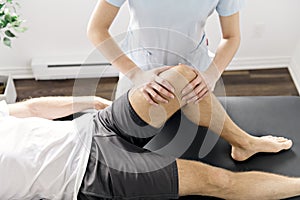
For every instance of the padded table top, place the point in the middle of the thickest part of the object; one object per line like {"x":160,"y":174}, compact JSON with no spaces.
{"x":279,"y":116}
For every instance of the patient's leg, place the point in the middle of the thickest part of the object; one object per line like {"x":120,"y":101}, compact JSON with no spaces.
{"x":196,"y":178}
{"x":156,"y":116}
{"x":208,"y":112}
{"x":213,"y":115}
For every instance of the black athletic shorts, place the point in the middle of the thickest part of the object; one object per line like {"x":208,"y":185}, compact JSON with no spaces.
{"x":119,"y":167}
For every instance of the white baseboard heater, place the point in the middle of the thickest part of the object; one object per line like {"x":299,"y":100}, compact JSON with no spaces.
{"x":70,"y":67}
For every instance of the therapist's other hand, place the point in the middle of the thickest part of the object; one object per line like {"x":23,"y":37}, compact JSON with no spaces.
{"x":154,"y":88}
{"x":196,"y":89}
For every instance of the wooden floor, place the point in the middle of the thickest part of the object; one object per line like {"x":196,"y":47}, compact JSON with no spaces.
{"x":271,"y":82}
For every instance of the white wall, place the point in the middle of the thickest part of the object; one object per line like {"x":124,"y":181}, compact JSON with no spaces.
{"x":296,"y":55}
{"x":295,"y":66}
{"x":58,"y":28}
{"x":55,"y":28}
{"x":270,"y":31}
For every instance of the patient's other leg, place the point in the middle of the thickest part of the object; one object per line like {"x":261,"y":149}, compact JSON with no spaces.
{"x":196,"y":178}
{"x":208,"y":112}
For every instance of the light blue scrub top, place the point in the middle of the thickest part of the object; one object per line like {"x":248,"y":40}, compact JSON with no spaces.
{"x":168,"y":32}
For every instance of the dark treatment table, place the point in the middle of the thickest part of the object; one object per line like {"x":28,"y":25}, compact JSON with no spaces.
{"x":258,"y":116}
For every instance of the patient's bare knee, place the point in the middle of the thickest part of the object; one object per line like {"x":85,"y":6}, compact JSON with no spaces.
{"x":179,"y":76}
{"x":186,"y":71}
{"x":202,"y":179}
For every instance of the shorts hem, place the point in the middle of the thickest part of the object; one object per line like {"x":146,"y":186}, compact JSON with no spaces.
{"x":175,"y":180}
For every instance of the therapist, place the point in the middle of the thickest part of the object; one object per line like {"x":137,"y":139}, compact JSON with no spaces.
{"x":163,"y":33}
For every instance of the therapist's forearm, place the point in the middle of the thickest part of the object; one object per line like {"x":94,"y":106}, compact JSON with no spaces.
{"x":223,"y":57}
{"x":98,"y":33}
{"x":227,"y":48}
{"x":112,"y":52}
{"x":225,"y":52}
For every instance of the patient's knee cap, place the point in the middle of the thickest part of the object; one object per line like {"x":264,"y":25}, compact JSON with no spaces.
{"x":185,"y":71}
{"x":220,"y":180}
{"x":179,"y":76}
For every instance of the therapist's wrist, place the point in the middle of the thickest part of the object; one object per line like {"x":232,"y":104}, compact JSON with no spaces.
{"x":213,"y":72}
{"x":134,"y":73}
{"x":212,"y":75}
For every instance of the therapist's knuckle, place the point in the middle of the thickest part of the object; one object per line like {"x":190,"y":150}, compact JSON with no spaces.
{"x":203,"y":93}
{"x":189,"y":87}
{"x":154,"y":94}
{"x":142,"y":89}
{"x":192,"y":95}
{"x":195,"y":83}
{"x":161,"y":90}
{"x":199,"y":79}
{"x":149,"y":84}
{"x":198,"y":90}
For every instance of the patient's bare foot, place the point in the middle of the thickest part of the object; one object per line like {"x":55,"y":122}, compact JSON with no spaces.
{"x":266,"y":144}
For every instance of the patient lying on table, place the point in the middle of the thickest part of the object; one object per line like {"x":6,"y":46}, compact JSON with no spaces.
{"x":101,"y":155}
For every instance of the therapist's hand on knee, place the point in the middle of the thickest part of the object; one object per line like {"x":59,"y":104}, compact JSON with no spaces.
{"x":154,"y":87}
{"x":196,"y":89}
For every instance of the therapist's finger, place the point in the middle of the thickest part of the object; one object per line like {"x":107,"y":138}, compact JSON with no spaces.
{"x":197,"y":92}
{"x":164,"y":87}
{"x":162,"y":91}
{"x":192,"y":93}
{"x":187,"y":89}
{"x":205,"y":93}
{"x":148,"y":98}
{"x":199,"y":96}
{"x":166,"y":84}
{"x":155,"y":95}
